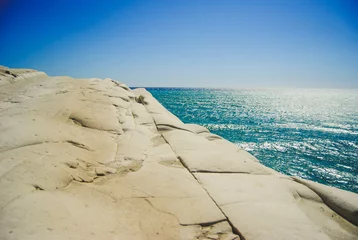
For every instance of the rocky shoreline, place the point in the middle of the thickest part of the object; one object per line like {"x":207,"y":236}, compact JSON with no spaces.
{"x":93,"y":159}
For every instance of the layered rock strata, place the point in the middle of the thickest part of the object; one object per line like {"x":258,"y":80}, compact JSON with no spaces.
{"x":93,"y":159}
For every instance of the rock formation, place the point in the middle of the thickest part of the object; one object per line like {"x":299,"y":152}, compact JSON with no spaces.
{"x":93,"y":159}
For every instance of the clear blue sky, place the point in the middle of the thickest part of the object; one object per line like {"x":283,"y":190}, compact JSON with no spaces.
{"x":209,"y":43}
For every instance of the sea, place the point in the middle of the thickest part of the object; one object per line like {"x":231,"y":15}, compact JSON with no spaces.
{"x":310,"y":133}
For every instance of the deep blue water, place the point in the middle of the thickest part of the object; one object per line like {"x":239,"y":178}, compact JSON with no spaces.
{"x":311,"y":133}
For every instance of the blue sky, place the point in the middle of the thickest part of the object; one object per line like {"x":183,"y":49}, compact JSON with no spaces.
{"x":186,"y":43}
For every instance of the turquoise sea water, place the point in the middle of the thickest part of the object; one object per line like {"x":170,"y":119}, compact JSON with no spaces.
{"x":311,"y":133}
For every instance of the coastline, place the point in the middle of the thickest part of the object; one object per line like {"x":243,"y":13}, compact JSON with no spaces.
{"x":293,"y":132}
{"x":90,"y":158}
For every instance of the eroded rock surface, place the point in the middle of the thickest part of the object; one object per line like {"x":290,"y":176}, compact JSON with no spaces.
{"x":93,"y":159}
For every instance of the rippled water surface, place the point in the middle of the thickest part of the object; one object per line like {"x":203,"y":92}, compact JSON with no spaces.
{"x":301,"y":132}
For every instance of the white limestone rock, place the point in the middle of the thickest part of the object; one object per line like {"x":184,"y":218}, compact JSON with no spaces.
{"x":202,"y":155}
{"x":92,"y":159}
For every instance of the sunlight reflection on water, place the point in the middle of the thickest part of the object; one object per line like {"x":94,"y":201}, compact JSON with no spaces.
{"x":311,"y":133}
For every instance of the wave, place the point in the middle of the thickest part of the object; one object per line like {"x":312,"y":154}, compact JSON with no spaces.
{"x":278,"y":146}
{"x":295,"y":126}
{"x":211,"y":126}
{"x":304,"y":126}
{"x":306,"y":148}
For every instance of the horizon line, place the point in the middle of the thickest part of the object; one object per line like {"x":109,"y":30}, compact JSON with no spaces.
{"x":233,"y":88}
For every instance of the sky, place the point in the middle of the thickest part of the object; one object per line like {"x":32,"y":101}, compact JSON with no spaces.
{"x":186,"y":43}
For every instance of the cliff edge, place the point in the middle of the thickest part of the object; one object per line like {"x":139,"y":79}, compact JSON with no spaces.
{"x":93,"y":159}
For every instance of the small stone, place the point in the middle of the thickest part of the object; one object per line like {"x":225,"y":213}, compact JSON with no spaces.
{"x":104,"y":171}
